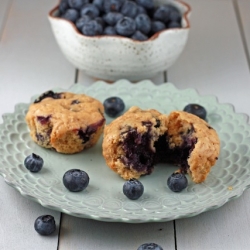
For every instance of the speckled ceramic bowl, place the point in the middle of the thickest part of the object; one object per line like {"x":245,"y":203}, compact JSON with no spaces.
{"x":114,"y":57}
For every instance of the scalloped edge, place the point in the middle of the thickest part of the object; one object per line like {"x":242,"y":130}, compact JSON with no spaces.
{"x":124,"y":82}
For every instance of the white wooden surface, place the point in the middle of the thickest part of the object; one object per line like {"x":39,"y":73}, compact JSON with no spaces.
{"x":214,"y":62}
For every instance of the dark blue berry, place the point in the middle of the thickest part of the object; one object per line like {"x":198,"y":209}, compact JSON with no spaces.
{"x":71,"y":15}
{"x":92,"y":28}
{"x":33,"y":163}
{"x":196,"y":109}
{"x":112,"y":18}
{"x":112,"y":5}
{"x":109,"y":30}
{"x":175,"y":16}
{"x":177,"y":182}
{"x":147,"y":4}
{"x":75,"y":180}
{"x":100,"y":21}
{"x":113,"y":106}
{"x":139,"y":36}
{"x":129,"y":9}
{"x":149,"y":246}
{"x":98,"y":4}
{"x":63,"y":6}
{"x":141,"y":10}
{"x":162,"y":13}
{"x":80,"y":22}
{"x":143,"y":23}
{"x":133,"y":189}
{"x":48,"y":94}
{"x":90,"y":10}
{"x":125,"y":27}
{"x":45,"y":225}
{"x":157,"y":26}
{"x":173,"y":24}
{"x":77,"y":4}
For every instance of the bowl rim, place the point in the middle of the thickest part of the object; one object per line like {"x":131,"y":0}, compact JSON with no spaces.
{"x":156,"y":35}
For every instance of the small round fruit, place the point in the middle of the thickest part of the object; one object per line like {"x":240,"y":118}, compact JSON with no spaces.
{"x":33,"y":163}
{"x":75,"y":180}
{"x":133,"y":189}
{"x":196,"y":109}
{"x":45,"y":225}
{"x":150,"y":246}
{"x":113,"y":106}
{"x":177,"y":182}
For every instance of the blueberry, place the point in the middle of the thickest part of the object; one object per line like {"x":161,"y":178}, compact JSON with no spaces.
{"x":71,"y":15}
{"x":112,"y":18}
{"x":141,"y":10}
{"x":92,"y":28}
{"x":48,"y":94}
{"x":150,"y":246}
{"x":109,"y":30}
{"x":45,"y":225}
{"x":143,"y":23}
{"x":75,"y":180}
{"x":77,"y":4}
{"x":157,"y":26}
{"x":33,"y":163}
{"x":133,"y":189}
{"x":125,"y":27}
{"x":162,"y":13}
{"x":112,"y":5}
{"x":63,"y":6}
{"x":175,"y":16}
{"x":80,"y":22}
{"x":147,"y":4}
{"x":90,"y":10}
{"x":139,"y":36}
{"x":174,"y":24}
{"x":113,"y":106}
{"x":129,"y":9}
{"x":196,"y":109}
{"x":177,"y":182}
{"x":100,"y":21}
{"x":98,"y":4}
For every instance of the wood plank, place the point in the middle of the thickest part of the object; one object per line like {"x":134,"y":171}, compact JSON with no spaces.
{"x":112,"y":236}
{"x":214,"y":58}
{"x":214,"y":62}
{"x":244,"y":9}
{"x":30,"y":59}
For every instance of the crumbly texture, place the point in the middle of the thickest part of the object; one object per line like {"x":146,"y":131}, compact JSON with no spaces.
{"x":66,"y":122}
{"x":128,"y":144}
{"x":139,"y":139}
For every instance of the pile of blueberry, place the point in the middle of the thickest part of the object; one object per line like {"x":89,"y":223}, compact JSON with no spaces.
{"x":136,"y":19}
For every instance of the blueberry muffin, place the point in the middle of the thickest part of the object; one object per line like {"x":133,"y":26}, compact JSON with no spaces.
{"x":136,"y":141}
{"x":191,"y":143}
{"x":66,"y":122}
{"x":129,"y":142}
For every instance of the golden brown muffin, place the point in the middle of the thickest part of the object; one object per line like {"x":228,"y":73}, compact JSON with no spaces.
{"x":66,"y":122}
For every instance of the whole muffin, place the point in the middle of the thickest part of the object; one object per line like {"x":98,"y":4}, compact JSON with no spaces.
{"x":139,"y":139}
{"x":65,"y":122}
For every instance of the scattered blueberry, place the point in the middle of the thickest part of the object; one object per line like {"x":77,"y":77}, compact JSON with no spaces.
{"x":92,"y":28}
{"x":162,"y":13}
{"x":196,"y":109}
{"x":75,"y":180}
{"x":33,"y":163}
{"x":125,"y":26}
{"x":133,"y":189}
{"x":177,"y":182}
{"x":150,"y":246}
{"x":113,"y":106}
{"x":48,"y":94}
{"x":45,"y":225}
